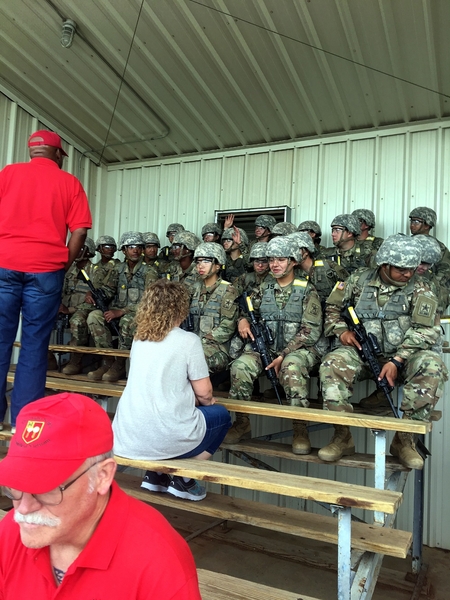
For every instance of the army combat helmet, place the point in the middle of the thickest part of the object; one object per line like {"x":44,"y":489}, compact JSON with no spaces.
{"x":283,"y":247}
{"x":301,"y":239}
{"x":310,"y":226}
{"x":186,"y":238}
{"x":430,"y":249}
{"x":211,"y":250}
{"x":151,"y":238}
{"x":228,"y":235}
{"x":211,"y":228}
{"x":131,"y":238}
{"x":350,"y":222}
{"x":105,"y":240}
{"x":283,"y":228}
{"x":366,"y":215}
{"x":266,"y":221}
{"x":258,"y":250}
{"x":87,"y":250}
{"x":399,"y":251}
{"x":426,"y":214}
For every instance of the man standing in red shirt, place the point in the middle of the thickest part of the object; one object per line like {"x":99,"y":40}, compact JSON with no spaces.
{"x":39,"y":204}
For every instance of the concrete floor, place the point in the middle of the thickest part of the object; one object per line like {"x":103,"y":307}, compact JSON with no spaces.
{"x":297,"y":565}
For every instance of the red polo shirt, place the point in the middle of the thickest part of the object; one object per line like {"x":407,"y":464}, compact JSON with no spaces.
{"x":134,"y":554}
{"x":39,"y":203}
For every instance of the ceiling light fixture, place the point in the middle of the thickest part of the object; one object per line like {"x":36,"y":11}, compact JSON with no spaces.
{"x":68,"y":31}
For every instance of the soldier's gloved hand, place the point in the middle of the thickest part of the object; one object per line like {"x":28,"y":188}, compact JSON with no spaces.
{"x":389,"y":371}
{"x":348,"y":339}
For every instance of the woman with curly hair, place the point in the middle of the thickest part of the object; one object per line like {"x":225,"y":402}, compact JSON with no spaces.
{"x":167,"y":409}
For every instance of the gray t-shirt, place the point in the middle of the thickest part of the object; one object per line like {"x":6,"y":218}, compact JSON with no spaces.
{"x":156,"y":417}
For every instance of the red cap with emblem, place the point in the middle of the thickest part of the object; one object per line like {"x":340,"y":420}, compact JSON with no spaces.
{"x":45,"y":138}
{"x":54,"y":436}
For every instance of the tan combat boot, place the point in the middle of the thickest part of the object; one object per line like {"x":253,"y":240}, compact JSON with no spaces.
{"x":240,"y":430}
{"x":52,"y":363}
{"x":404,"y":449}
{"x":74,"y":366}
{"x":97,"y":375}
{"x":376,"y":400}
{"x":116,"y":371}
{"x":341,"y":444}
{"x":300,"y":438}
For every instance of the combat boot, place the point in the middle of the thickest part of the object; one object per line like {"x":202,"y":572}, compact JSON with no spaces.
{"x":240,"y":430}
{"x":97,"y":375}
{"x":376,"y":400}
{"x":300,"y":438}
{"x":73,"y":367}
{"x":341,"y":444}
{"x":52,"y":363}
{"x":116,"y":371}
{"x":404,"y":448}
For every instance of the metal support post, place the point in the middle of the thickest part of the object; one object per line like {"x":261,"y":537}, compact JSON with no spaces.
{"x":380,"y":468}
{"x":344,"y":551}
{"x":417,"y":545}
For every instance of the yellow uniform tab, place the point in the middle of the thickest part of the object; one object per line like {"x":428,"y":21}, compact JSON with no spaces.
{"x":318,"y":263}
{"x":300,"y":282}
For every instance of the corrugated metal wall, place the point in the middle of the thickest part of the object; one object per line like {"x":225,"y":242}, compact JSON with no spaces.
{"x":390,"y":173}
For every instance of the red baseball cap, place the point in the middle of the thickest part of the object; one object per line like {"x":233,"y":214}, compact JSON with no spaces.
{"x":54,"y":436}
{"x":45,"y":138}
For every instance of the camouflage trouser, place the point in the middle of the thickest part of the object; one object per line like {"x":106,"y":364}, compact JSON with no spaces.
{"x":216,"y":358}
{"x":423,"y":378}
{"x":101,"y":333}
{"x":293,"y":375}
{"x":78,"y":325}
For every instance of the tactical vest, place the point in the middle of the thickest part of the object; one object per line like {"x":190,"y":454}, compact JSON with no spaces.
{"x":75,"y":290}
{"x":207,"y":314}
{"x":350,"y":263}
{"x":101,"y":272}
{"x":283,"y":323}
{"x":323,"y":279}
{"x":130,"y":286}
{"x":390,"y":322}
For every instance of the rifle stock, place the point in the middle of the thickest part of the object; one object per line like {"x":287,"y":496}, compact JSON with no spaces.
{"x":368,"y":353}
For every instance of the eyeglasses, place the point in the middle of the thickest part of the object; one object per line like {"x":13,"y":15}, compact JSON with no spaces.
{"x":261,"y":261}
{"x":204,"y":261}
{"x":133,"y":246}
{"x":107,"y":246}
{"x":52,"y":498}
{"x":337,"y":229}
{"x":416,"y":221}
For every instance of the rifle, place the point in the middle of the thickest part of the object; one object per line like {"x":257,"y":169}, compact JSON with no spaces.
{"x":101,"y":302}
{"x":368,"y":353}
{"x":61,"y":323}
{"x":188,"y":323}
{"x":263,"y":339}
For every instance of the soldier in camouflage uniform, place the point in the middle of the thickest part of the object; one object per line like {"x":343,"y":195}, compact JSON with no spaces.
{"x":172,"y":230}
{"x":235,"y":244}
{"x":151,"y":248}
{"x":211,"y":232}
{"x":421,"y":221}
{"x":213,"y":306}
{"x":366,"y":238}
{"x":345,"y":230}
{"x":282,"y":228}
{"x":291,"y":308}
{"x":124,"y":290}
{"x":263,"y":227}
{"x":182,"y":268}
{"x":73,"y":295}
{"x":402,"y":312}
{"x":99,"y":274}
{"x":312,"y":228}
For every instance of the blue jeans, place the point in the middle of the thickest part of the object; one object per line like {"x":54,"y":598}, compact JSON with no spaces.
{"x":218,"y":422}
{"x":38,"y":296}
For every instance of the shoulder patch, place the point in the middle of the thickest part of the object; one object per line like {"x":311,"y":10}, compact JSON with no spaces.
{"x":300,"y":282}
{"x":225,"y":282}
{"x":425,"y":311}
{"x":370,"y":238}
{"x":340,"y":285}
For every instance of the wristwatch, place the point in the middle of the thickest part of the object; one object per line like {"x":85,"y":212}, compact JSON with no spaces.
{"x":397,"y":363}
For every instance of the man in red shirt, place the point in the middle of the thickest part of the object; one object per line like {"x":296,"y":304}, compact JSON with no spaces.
{"x":73,"y":533}
{"x":39,"y":204}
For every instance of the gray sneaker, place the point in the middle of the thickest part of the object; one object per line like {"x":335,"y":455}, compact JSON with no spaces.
{"x":189,"y":490}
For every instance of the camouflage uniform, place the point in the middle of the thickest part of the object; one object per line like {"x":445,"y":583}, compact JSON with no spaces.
{"x":283,"y":228}
{"x":442,"y":266}
{"x":306,"y":227}
{"x":235,"y":268}
{"x":294,"y":315}
{"x":431,"y":254}
{"x":160,"y":265}
{"x":406,"y":323}
{"x":165,"y":252}
{"x":357,"y":256}
{"x":214,"y":311}
{"x":174,"y":271}
{"x":371,"y":243}
{"x":74,"y":289}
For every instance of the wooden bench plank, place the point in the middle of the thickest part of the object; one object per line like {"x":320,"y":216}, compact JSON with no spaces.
{"x":275,"y":518}
{"x":297,"y":486}
{"x":83,"y":387}
{"x":325,"y":416}
{"x":279,"y":450}
{"x":217,"y":586}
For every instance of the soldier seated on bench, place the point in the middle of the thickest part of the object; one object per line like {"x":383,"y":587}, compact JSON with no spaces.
{"x":402,"y":312}
{"x":72,"y":527}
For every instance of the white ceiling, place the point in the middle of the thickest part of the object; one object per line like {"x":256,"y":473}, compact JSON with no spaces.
{"x":206,"y":75}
